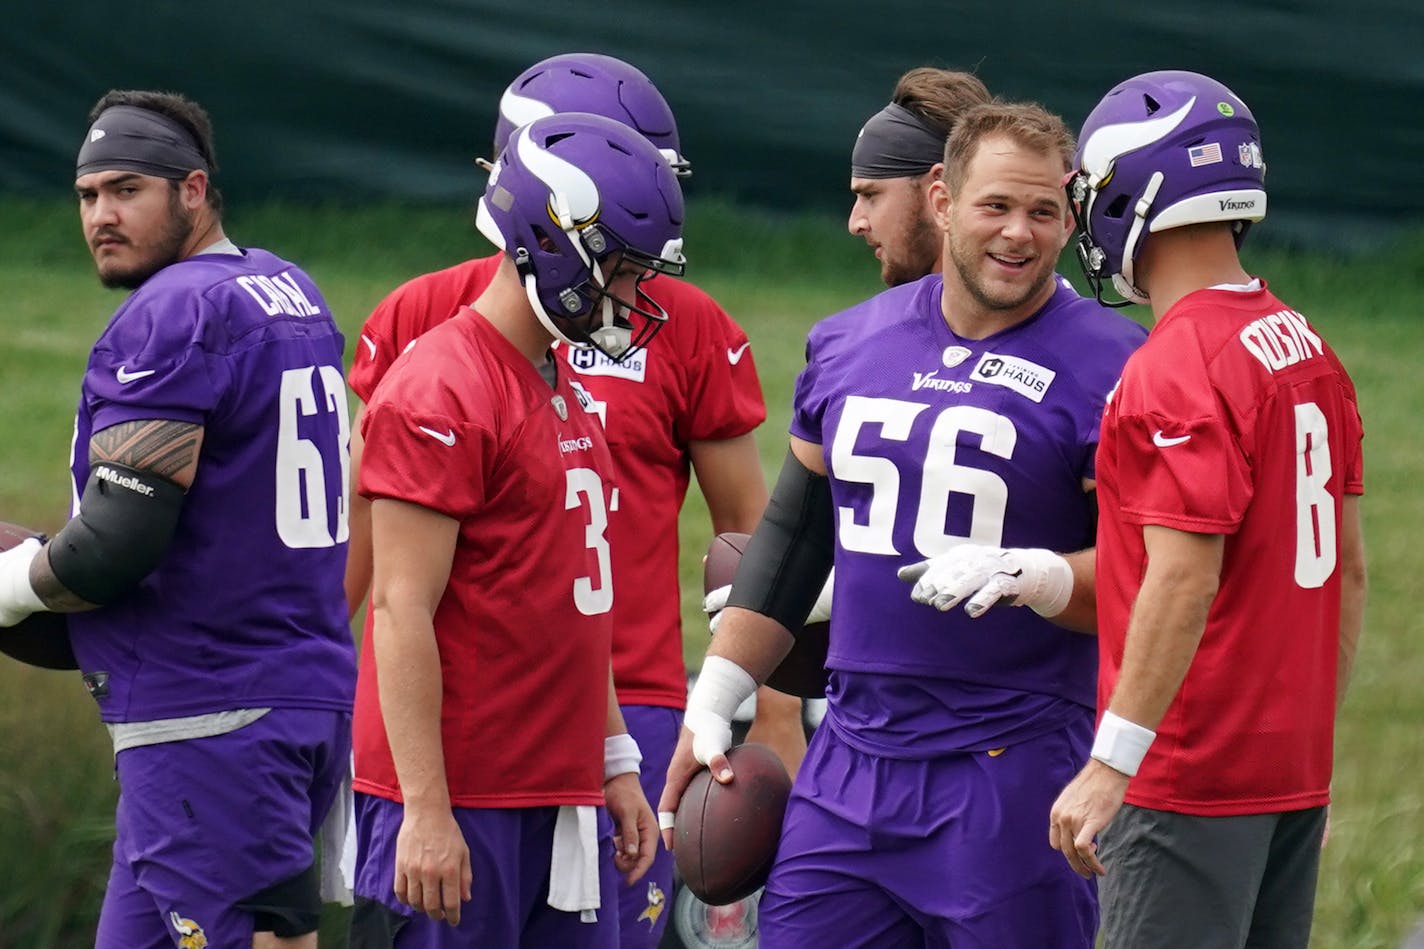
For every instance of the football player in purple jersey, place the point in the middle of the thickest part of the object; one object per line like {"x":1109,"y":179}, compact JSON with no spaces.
{"x":898,"y":155}
{"x":954,"y":413}
{"x":203,"y":561}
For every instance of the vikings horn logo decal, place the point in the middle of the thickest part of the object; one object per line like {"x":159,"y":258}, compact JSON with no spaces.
{"x":654,"y":909}
{"x":190,"y":934}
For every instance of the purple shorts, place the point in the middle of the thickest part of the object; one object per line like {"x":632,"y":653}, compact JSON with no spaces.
{"x":644,"y":907}
{"x":203,"y":824}
{"x":510,"y":850}
{"x":953,"y":851}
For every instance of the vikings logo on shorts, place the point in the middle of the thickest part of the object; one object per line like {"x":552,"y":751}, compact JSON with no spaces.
{"x":656,"y":901}
{"x":190,"y":934}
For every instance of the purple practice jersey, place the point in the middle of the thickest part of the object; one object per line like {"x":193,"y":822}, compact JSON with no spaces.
{"x":247,"y":608}
{"x":931,"y":440}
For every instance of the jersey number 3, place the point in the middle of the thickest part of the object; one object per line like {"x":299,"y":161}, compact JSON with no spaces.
{"x":585,"y":486}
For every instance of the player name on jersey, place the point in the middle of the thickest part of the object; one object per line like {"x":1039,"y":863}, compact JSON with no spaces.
{"x":278,"y":295}
{"x":1280,"y":340}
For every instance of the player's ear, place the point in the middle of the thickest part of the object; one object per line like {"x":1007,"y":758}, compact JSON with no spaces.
{"x":936,"y":173}
{"x":193,"y":190}
{"x":940,"y":203}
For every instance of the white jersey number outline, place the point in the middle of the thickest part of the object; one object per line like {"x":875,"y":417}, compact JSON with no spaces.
{"x":584,"y":484}
{"x":301,"y":472}
{"x":1315,"y":529}
{"x":941,"y":476}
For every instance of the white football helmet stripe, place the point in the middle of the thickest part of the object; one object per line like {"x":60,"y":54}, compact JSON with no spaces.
{"x":1112,"y":141}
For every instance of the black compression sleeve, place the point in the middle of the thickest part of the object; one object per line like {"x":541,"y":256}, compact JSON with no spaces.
{"x":788,"y":558}
{"x":125,"y":523}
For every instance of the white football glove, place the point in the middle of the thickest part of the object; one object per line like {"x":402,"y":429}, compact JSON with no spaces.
{"x":713,"y":603}
{"x":17,"y":598}
{"x":985,"y":576}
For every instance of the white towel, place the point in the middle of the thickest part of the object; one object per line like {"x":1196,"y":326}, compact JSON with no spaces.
{"x":338,"y":847}
{"x":573,"y":867}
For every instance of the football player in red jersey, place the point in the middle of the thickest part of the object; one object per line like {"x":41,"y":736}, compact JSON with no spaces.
{"x":486,"y":730}
{"x":1231,"y":574}
{"x":687,"y":404}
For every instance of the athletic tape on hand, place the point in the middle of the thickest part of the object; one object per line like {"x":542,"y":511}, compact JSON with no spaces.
{"x":713,"y":603}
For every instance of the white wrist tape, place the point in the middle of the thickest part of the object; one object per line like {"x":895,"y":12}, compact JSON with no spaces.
{"x":15,"y":589}
{"x":722,"y":686}
{"x":1048,"y":581}
{"x":1120,"y":744}
{"x":621,"y":755}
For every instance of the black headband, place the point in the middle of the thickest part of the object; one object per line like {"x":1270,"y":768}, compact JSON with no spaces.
{"x":128,"y":138}
{"x":895,"y":143}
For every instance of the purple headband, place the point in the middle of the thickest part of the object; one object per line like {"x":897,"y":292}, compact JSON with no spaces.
{"x":129,"y":138}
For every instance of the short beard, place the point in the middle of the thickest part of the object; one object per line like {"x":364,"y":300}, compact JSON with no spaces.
{"x":922,"y":247}
{"x":970,"y":278}
{"x":166,"y":249}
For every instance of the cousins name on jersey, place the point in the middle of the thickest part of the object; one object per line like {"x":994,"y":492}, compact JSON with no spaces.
{"x":1280,"y":340}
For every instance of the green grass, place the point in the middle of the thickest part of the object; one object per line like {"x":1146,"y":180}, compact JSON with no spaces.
{"x":776,"y":276}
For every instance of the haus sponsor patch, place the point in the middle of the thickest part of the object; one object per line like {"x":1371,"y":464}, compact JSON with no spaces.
{"x":1028,"y":379}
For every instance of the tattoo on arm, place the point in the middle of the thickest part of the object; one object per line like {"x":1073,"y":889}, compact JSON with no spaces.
{"x":166,"y":448}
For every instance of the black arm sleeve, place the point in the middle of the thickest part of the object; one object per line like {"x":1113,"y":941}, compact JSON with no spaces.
{"x":126,"y":521}
{"x":788,"y":558}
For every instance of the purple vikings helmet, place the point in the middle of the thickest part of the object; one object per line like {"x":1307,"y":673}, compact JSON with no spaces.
{"x":589,"y":82}
{"x":1161,"y":150}
{"x":573,"y":199}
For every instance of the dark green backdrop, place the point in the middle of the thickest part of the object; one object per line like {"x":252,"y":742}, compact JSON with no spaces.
{"x":352,"y":99}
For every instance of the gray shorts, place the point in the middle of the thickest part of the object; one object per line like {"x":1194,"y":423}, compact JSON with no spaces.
{"x":1179,"y":880}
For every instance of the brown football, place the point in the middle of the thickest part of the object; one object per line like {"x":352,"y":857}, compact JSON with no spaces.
{"x":803,"y":671}
{"x":725,"y":835}
{"x":43,"y":638}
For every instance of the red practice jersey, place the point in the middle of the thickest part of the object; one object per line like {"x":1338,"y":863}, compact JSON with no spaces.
{"x":1234,"y":418}
{"x":466,"y":426}
{"x":697,"y":381}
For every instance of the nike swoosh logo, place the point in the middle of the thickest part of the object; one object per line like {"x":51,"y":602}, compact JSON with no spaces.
{"x":734,"y":356}
{"x":125,"y":377}
{"x":1162,"y":441}
{"x":445,"y":438}
{"x":369,"y":344}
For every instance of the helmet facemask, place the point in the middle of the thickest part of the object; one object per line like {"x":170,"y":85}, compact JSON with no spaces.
{"x":1091,"y":256}
{"x":591,"y":314}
